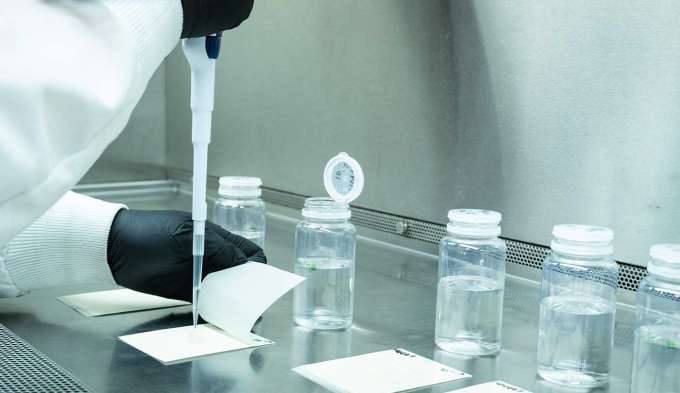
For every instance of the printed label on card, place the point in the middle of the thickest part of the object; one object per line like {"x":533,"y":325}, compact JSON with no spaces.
{"x":390,"y":371}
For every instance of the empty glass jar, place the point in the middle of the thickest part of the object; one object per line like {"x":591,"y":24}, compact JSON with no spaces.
{"x":325,"y":243}
{"x":656,"y":355}
{"x":471,"y":283}
{"x":239,"y":208}
{"x":578,"y":306}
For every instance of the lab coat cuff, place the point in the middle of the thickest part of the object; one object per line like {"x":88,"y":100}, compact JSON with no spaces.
{"x":66,"y":245}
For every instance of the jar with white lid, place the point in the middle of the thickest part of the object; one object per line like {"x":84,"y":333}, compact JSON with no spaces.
{"x":471,"y":283}
{"x":656,"y":354}
{"x":240,"y":209}
{"x":325,"y":243}
{"x":578,"y":307}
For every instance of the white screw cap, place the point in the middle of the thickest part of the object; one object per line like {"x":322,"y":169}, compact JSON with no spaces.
{"x":474,"y":222}
{"x":240,"y":186}
{"x":665,"y":260}
{"x":582,"y":240}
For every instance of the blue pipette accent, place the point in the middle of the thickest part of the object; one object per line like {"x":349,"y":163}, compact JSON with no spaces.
{"x":212,"y":45}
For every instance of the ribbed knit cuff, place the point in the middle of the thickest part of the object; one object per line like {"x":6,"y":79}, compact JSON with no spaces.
{"x":66,"y":245}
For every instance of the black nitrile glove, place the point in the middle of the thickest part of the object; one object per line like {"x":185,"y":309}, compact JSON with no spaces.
{"x":150,"y":251}
{"x":203,"y":17}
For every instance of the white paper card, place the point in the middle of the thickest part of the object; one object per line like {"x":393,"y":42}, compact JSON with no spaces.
{"x":231,"y":300}
{"x":94,"y":304}
{"x":388,"y":371}
{"x":491,"y":387}
{"x":234,"y":298}
{"x":185,"y":343}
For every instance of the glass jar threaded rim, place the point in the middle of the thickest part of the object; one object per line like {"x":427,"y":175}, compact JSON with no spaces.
{"x":324,"y":208}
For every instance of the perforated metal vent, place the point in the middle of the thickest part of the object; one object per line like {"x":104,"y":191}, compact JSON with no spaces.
{"x":630,"y":276}
{"x":519,"y":252}
{"x":526,"y":254}
{"x":23,"y":369}
{"x":283,"y":198}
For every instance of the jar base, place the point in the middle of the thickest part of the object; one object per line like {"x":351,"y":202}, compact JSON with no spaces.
{"x":469,"y":347}
{"x":323,"y":322}
{"x":572,"y":378}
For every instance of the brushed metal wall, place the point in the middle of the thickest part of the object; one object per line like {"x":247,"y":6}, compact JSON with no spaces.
{"x":550,"y":112}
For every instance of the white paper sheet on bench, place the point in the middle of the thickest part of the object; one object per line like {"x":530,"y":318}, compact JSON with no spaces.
{"x":388,"y":371}
{"x":231,"y":300}
{"x":186,"y":343}
{"x":491,"y":387}
{"x":116,"y":301}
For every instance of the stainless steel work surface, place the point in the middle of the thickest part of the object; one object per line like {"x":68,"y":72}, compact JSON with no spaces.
{"x":394,"y":307}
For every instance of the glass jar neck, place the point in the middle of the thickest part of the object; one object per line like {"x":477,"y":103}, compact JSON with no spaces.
{"x":326,"y":221}
{"x":582,"y":259}
{"x":239,"y":197}
{"x":459,"y":237}
{"x":325,"y":210}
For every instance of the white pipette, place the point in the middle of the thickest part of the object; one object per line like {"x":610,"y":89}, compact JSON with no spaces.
{"x":201,"y":54}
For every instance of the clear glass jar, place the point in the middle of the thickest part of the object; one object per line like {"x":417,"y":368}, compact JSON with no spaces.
{"x":239,"y":208}
{"x":656,"y":354}
{"x":578,"y":307}
{"x":471,"y":283}
{"x":325,"y":243}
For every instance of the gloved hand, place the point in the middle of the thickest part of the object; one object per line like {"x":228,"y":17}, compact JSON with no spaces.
{"x":150,"y":251}
{"x":203,"y":17}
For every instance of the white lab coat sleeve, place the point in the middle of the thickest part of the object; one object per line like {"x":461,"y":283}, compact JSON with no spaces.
{"x":66,"y":245}
{"x":70,"y":75}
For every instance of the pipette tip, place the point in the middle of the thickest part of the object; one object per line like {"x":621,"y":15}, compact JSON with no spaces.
{"x":194,"y":305}
{"x":197,"y":274}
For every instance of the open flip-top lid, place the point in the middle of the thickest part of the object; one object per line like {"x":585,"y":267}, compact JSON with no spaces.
{"x":343,"y":178}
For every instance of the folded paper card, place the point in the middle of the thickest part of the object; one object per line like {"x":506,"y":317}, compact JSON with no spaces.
{"x":185,"y":343}
{"x":231,"y":301}
{"x":491,"y":387}
{"x":116,"y":301}
{"x":388,"y":371}
{"x":234,"y":298}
